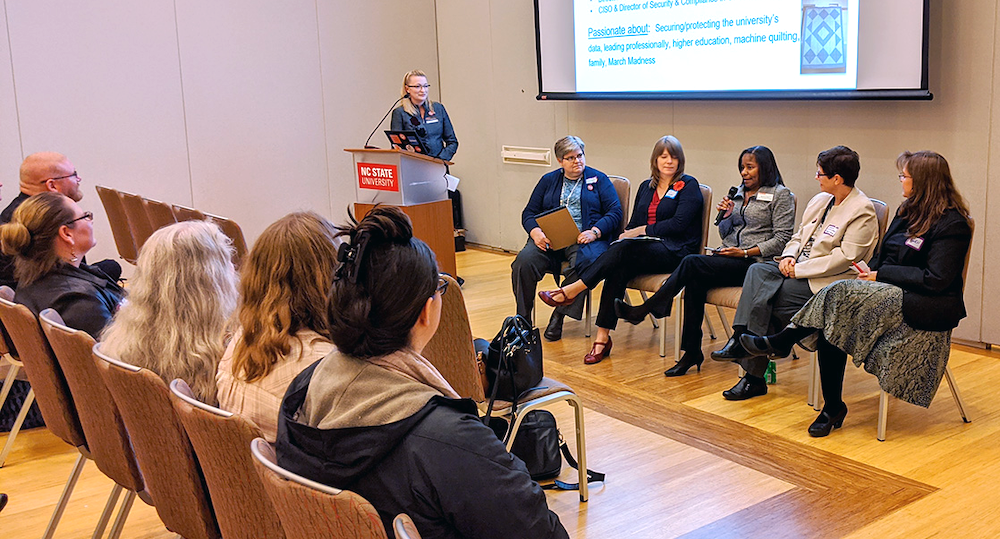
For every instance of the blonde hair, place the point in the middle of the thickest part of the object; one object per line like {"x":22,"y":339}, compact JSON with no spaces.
{"x":30,"y":237}
{"x":285,"y":285}
{"x":407,"y":104}
{"x":179,"y":307}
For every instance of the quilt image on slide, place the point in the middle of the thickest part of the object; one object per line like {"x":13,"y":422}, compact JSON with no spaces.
{"x":823,"y":39}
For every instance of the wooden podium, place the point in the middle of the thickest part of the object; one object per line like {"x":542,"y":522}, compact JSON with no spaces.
{"x":415,"y":183}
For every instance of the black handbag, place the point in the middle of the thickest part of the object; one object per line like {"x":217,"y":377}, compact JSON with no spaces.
{"x":514,"y":361}
{"x":537,"y":444}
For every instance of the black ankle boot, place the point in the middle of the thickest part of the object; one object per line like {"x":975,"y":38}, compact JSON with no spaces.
{"x":553,"y":332}
{"x":687,"y":361}
{"x":632,"y":314}
{"x":748,"y":387}
{"x":732,"y":351}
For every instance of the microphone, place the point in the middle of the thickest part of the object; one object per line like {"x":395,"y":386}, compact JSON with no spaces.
{"x":722,"y":213}
{"x":367,"y":147}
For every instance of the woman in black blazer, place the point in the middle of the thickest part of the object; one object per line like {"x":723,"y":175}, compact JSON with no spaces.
{"x":896,"y":318}
{"x":664,"y":228}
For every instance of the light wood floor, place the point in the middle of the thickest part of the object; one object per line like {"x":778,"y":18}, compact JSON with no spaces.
{"x":681,"y":461}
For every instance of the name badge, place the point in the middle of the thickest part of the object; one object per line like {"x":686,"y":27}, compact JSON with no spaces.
{"x":831,"y":230}
{"x":765,"y":197}
{"x":671,"y":194}
{"x":589,"y":181}
{"x":915,"y":243}
{"x":431,"y":121}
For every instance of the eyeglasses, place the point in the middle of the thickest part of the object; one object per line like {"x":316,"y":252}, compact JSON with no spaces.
{"x":904,"y":176}
{"x":572,"y":158}
{"x":73,"y":175}
{"x":88,"y":216}
{"x":822,"y":174}
{"x":418,"y":86}
{"x":442,"y":286}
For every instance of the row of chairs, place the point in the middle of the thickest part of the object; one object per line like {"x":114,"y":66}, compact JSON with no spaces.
{"x":134,"y":218}
{"x":208,"y":472}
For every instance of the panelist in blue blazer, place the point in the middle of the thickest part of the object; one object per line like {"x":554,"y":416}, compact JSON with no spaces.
{"x":591,"y":199}
{"x":430,"y":121}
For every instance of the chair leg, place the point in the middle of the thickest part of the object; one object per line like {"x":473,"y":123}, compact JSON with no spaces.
{"x":678,"y":326}
{"x":816,"y":382}
{"x":725,"y":322}
{"x":74,"y":475}
{"x":588,"y":307}
{"x":955,"y":393}
{"x":581,"y":448}
{"x":109,"y":507}
{"x":8,"y":383}
{"x":652,"y":319}
{"x":883,"y":414}
{"x":711,"y":328}
{"x":21,"y":416}
{"x":123,"y":511}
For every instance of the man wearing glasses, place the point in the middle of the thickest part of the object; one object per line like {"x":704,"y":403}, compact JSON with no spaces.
{"x":42,"y":172}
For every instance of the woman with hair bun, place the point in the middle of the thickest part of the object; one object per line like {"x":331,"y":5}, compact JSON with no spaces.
{"x":376,"y":417}
{"x":48,"y":237}
{"x":283,"y":319}
{"x":180,"y":302}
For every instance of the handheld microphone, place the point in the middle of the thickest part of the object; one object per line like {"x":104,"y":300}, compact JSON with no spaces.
{"x":367,"y":147}
{"x":722,"y":213}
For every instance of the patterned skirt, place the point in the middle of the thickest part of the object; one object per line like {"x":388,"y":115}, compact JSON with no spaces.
{"x":865,"y":319}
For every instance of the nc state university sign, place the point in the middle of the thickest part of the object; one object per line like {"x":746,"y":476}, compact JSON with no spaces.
{"x":381,"y":177}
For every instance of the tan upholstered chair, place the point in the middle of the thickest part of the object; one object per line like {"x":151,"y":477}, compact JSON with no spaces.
{"x":159,"y":214}
{"x":119,"y":223}
{"x":107,"y":439}
{"x":53,"y":396}
{"x":235,"y":233}
{"x":651,"y":283}
{"x":883,"y":398}
{"x":311,"y":510}
{"x":220,"y":441}
{"x":138,"y":221}
{"x":12,"y":370}
{"x":169,"y":467}
{"x":457,"y":363}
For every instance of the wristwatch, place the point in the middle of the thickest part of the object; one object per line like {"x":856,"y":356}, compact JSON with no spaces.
{"x":596,"y":231}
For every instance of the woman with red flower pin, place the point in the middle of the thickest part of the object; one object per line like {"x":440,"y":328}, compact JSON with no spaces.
{"x":664,"y":228}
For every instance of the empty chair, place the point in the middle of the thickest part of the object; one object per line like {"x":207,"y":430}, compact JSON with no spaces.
{"x":107,"y":438}
{"x":235,"y":233}
{"x":119,"y":223}
{"x":53,"y":396}
{"x":138,"y":221}
{"x":15,"y":371}
{"x":162,"y":448}
{"x":220,"y":441}
{"x":159,"y":214}
{"x":308,"y":509}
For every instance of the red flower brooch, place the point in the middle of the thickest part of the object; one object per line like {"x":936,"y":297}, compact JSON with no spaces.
{"x":678,"y":185}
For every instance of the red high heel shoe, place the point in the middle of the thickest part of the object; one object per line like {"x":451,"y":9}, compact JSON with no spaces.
{"x":593,"y":356}
{"x":548,"y":299}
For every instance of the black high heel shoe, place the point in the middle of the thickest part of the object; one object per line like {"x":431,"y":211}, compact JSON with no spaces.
{"x":826,"y":423}
{"x":632,"y":314}
{"x":687,"y":361}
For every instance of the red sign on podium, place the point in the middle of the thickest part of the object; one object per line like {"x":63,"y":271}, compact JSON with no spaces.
{"x":376,"y":176}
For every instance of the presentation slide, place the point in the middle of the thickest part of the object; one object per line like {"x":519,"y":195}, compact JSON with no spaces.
{"x":720,"y":45}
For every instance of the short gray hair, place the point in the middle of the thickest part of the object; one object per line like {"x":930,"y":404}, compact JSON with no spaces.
{"x":567,"y":144}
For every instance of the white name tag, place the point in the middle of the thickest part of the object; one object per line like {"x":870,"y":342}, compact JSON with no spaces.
{"x":431,"y":121}
{"x":671,"y":194}
{"x":831,"y":230}
{"x":915,"y":243}
{"x":589,"y":181}
{"x":765,"y":197}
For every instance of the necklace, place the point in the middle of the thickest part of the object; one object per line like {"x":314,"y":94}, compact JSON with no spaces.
{"x":572,"y":189}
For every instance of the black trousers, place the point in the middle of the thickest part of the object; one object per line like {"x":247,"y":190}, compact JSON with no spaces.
{"x":621,"y":263}
{"x":531,"y":265}
{"x":697,"y":274}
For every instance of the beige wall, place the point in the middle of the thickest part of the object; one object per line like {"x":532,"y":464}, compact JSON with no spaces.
{"x":501,"y":109}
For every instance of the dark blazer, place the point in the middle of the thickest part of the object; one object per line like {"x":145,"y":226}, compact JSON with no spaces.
{"x":85,"y":297}
{"x":678,"y":219}
{"x":434,"y":130}
{"x":931,"y":276}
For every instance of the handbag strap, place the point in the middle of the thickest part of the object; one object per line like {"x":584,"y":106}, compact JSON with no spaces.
{"x":592,"y":476}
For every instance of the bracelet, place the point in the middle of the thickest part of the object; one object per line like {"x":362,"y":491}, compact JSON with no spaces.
{"x":746,"y":254}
